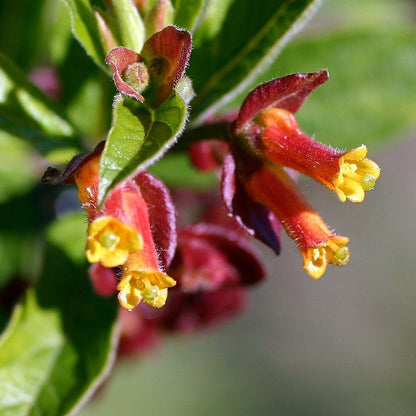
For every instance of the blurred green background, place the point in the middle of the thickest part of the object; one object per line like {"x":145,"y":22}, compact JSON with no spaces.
{"x":343,"y":345}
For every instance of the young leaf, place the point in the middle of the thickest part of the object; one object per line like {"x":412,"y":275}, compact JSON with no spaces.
{"x":59,"y":343}
{"x":250,"y":38}
{"x":187,"y":13}
{"x":130,"y":23}
{"x":138,"y":137}
{"x":85,"y":29}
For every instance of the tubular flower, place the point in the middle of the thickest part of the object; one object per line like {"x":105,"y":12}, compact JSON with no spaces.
{"x":135,"y":231}
{"x":258,"y":188}
{"x":272,"y":187}
{"x":348,"y":174}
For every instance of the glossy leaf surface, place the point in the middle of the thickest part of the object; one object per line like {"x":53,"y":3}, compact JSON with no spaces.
{"x":138,"y":137}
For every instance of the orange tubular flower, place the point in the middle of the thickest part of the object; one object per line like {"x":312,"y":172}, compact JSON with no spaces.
{"x":120,"y":234}
{"x":272,"y":187}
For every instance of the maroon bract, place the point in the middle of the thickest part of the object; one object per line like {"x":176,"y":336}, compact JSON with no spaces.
{"x":256,"y":219}
{"x":210,"y":256}
{"x":288,"y":93}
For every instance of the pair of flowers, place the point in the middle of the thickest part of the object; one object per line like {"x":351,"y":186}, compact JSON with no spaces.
{"x":266,"y":141}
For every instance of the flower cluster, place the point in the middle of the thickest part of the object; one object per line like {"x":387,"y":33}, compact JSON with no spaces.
{"x":132,"y":238}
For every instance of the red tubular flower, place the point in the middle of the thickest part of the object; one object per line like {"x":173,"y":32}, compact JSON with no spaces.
{"x":257,"y":188}
{"x":128,"y":232}
{"x":348,"y":174}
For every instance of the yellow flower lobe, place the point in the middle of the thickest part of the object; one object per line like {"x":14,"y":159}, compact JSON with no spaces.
{"x":357,"y":174}
{"x":110,"y":241}
{"x":333,"y":251}
{"x":149,"y":286}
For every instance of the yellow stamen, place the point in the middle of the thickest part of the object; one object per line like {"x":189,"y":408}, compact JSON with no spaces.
{"x":149,"y":286}
{"x":357,"y":174}
{"x":110,"y":241}
{"x":334,"y":251}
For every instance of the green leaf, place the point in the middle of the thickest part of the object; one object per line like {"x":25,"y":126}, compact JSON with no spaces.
{"x":130,"y":23}
{"x":236,"y":41}
{"x":367,"y":100}
{"x":138,"y":137}
{"x":20,"y":98}
{"x":187,"y":13}
{"x":59,"y":344}
{"x":85,"y":29}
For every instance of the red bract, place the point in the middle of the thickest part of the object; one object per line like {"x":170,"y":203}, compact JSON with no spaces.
{"x":103,"y":279}
{"x":288,"y":93}
{"x":156,"y":70}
